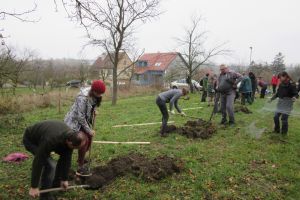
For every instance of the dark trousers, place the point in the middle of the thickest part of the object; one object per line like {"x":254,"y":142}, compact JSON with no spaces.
{"x":284,"y":121}
{"x":204,"y":95}
{"x":253,"y":95}
{"x":227,"y":106}
{"x":165,"y":115}
{"x":274,"y":88}
{"x":246,"y":97}
{"x":49,"y":178}
{"x":263,"y":92}
{"x":217,"y":102}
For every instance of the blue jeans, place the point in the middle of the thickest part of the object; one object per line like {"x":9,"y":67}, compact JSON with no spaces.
{"x":165,"y":115}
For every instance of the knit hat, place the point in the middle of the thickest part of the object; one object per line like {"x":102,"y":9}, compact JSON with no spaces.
{"x":98,"y":86}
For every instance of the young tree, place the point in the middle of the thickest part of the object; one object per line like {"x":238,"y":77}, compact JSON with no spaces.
{"x":194,"y":51}
{"x":278,"y":63}
{"x":83,"y":71}
{"x":110,"y":24}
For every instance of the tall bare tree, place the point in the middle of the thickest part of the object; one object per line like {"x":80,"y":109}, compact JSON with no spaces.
{"x":194,"y":51}
{"x":110,"y":24}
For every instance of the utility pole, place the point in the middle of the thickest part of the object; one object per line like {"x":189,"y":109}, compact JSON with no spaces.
{"x":250,"y":55}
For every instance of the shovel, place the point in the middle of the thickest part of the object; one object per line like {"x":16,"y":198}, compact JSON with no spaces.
{"x":90,"y":152}
{"x":212,"y":114}
{"x":62,"y":189}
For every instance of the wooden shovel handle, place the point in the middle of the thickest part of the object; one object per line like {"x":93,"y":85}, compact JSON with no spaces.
{"x":61,"y":189}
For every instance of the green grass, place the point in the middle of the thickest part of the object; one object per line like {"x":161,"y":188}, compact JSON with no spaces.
{"x":222,"y":167}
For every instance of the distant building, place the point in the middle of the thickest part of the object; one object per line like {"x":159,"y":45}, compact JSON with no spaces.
{"x":104,"y":66}
{"x":159,"y":68}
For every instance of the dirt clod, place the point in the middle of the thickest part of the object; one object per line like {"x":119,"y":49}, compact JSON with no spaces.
{"x":136,"y":164}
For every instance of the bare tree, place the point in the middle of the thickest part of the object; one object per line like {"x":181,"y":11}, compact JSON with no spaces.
{"x":110,"y":24}
{"x":193,"y":50}
{"x":21,"y":15}
{"x":19,"y":66}
{"x":6,"y":59}
{"x":104,"y":74}
{"x":83,"y":71}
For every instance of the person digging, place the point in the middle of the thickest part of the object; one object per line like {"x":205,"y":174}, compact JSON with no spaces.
{"x":43,"y":138}
{"x":81,"y":117}
{"x":171,"y":96}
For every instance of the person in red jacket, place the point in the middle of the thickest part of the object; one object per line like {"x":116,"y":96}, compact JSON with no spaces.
{"x":274,"y":83}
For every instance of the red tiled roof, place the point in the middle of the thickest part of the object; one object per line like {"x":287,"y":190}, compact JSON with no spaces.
{"x":156,"y":61}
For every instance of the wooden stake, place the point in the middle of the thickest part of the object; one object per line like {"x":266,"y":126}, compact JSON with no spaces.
{"x":192,"y":108}
{"x":111,"y":142}
{"x":144,"y":124}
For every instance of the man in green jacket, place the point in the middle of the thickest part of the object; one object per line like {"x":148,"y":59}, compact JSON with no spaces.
{"x":246,"y":89}
{"x":43,"y":138}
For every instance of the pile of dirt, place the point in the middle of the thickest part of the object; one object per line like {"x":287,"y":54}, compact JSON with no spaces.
{"x":241,"y":108}
{"x":195,"y":129}
{"x":136,"y":164}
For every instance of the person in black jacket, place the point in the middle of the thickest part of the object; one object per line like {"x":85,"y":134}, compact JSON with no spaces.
{"x":287,"y":94}
{"x":43,"y":138}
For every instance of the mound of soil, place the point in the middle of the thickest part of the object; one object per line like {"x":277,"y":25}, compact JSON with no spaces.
{"x":136,"y":164}
{"x":243,"y":109}
{"x":198,"y":129}
{"x":195,"y":129}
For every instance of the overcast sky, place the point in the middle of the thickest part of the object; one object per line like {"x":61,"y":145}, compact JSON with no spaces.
{"x":269,"y":26}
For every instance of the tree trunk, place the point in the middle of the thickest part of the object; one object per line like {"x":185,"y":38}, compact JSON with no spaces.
{"x":115,"y":86}
{"x":189,"y":81}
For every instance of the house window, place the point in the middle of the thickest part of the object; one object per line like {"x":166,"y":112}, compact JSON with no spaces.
{"x":142,"y":63}
{"x":157,"y":64}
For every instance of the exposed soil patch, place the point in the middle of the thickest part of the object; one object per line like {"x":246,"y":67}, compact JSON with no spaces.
{"x":243,"y":109}
{"x":136,"y":164}
{"x":195,"y":129}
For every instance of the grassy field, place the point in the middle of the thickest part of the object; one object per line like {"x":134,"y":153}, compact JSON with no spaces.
{"x":233,"y":164}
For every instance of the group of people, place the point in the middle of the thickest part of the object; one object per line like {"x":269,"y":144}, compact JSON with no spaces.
{"x":76,"y":132}
{"x":225,"y":89}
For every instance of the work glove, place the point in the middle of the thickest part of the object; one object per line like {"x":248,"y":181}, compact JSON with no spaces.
{"x":183,"y":114}
{"x":172,"y":112}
